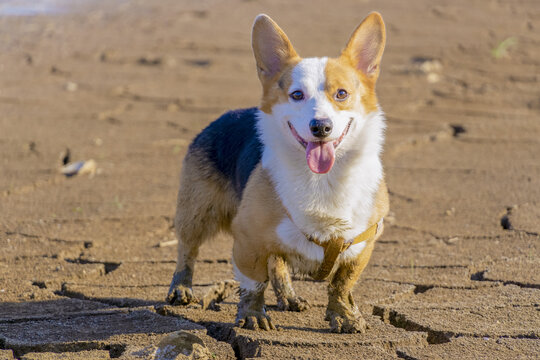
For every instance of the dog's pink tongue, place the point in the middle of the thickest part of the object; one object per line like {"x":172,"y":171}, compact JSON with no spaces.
{"x":320,"y":156}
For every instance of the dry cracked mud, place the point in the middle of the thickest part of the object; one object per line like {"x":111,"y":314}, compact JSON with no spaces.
{"x":85,"y":261}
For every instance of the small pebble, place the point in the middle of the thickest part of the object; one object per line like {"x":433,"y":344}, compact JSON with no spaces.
{"x":71,"y":86}
{"x":433,"y":78}
{"x":172,"y":107}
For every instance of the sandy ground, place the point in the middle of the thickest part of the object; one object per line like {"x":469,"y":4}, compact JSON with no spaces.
{"x":129,"y":83}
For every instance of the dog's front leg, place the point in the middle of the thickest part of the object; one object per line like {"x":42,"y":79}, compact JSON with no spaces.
{"x":287,"y":299}
{"x":251,"y":309}
{"x":342,"y":312}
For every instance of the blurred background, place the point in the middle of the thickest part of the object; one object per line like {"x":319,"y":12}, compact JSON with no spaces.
{"x":99,"y":100}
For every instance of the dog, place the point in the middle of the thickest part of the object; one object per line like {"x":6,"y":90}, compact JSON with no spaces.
{"x":298,"y":181}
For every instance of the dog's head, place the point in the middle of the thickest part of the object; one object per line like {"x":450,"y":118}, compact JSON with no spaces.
{"x":317,"y":104}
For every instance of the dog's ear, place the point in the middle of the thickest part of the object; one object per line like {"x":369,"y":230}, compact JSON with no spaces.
{"x":366,"y":45}
{"x":271,"y":47}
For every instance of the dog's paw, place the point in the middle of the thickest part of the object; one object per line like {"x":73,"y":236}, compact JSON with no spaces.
{"x":180,"y":292}
{"x":296,"y":303}
{"x":180,"y":295}
{"x":255,"y":320}
{"x":347,"y":325}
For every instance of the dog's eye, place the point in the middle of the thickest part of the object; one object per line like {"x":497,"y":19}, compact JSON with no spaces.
{"x":297,"y":95}
{"x":341,"y":95}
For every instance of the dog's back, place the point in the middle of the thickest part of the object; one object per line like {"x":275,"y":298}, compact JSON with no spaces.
{"x":217,"y":166}
{"x":230,"y":147}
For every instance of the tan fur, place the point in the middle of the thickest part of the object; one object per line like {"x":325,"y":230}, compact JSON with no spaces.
{"x":206,"y":205}
{"x":204,"y":194}
{"x":254,"y":227}
{"x":275,"y":91}
{"x":381,"y":205}
{"x":275,"y":58}
{"x":359,"y":60}
{"x":342,"y":311}
{"x":287,"y":299}
{"x":341,"y":74}
{"x":366,"y":46}
{"x":271,"y":48}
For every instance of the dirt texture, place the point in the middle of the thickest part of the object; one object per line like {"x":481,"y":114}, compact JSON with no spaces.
{"x":86,"y":260}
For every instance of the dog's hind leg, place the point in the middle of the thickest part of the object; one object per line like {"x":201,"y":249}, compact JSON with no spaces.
{"x":280,"y":278}
{"x":204,"y":208}
{"x":180,"y":291}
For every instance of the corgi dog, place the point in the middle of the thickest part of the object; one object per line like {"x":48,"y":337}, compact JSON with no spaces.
{"x":298,"y":181}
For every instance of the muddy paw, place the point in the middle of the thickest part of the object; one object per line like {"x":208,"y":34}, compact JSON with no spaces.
{"x":180,"y":292}
{"x":296,"y":303}
{"x":349,"y":325}
{"x":255,"y":320}
{"x":180,"y":295}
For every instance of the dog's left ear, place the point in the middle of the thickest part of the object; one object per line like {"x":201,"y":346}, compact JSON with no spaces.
{"x":366,"y":45}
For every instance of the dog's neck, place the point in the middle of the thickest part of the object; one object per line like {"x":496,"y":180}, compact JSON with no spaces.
{"x":337,"y":203}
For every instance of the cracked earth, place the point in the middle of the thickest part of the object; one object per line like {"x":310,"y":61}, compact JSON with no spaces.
{"x":85,"y":261}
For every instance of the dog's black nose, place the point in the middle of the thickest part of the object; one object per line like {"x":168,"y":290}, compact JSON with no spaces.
{"x":320,"y":128}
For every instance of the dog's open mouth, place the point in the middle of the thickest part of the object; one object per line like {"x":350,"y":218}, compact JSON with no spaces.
{"x":320,"y":155}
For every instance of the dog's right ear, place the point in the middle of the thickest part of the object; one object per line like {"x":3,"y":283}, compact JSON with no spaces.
{"x":271,"y":47}
{"x":366,"y":45}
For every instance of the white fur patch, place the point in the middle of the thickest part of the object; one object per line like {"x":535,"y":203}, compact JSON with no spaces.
{"x":292,"y":238}
{"x":245,"y":282}
{"x":353,"y":252}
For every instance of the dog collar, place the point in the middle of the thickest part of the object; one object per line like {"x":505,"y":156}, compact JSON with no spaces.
{"x":335,"y":246}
